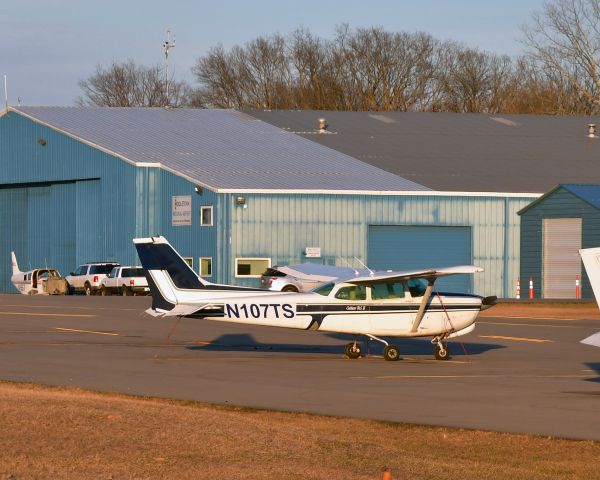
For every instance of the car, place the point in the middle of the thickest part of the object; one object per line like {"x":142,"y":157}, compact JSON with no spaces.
{"x":303,"y":277}
{"x":88,"y":277}
{"x":125,"y":281}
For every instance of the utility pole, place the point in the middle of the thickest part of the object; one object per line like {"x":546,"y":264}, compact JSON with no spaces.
{"x":167,"y":45}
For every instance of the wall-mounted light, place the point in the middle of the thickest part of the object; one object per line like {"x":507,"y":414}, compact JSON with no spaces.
{"x":42,"y":141}
{"x":198,"y":189}
{"x":240,"y":200}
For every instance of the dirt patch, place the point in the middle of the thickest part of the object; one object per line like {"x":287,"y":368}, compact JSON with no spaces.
{"x":69,"y":433}
{"x":559,"y":311}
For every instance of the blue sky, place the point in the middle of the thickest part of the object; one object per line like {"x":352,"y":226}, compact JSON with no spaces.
{"x":47,"y":46}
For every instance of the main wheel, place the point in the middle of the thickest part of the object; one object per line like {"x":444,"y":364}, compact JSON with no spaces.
{"x":391,"y":353}
{"x":289,"y":288}
{"x":442,"y":353}
{"x":353,"y":350}
{"x":87,"y":289}
{"x":126,"y":292}
{"x":105,"y":292}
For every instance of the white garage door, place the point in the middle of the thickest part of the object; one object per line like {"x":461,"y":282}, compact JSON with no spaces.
{"x":562,"y":241}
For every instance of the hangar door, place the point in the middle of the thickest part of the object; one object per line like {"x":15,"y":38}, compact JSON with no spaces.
{"x":408,"y":247}
{"x":562,"y":241}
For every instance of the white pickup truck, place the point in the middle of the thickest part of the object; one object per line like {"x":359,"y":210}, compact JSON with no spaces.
{"x":125,"y":281}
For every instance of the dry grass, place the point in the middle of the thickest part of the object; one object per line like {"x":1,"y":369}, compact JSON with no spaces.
{"x":559,"y":311}
{"x":68,"y":433}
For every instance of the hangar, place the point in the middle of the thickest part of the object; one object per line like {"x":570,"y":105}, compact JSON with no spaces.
{"x":234,"y":195}
{"x":553,"y":229}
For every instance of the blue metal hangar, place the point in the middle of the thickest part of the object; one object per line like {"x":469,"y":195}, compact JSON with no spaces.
{"x":234,"y":194}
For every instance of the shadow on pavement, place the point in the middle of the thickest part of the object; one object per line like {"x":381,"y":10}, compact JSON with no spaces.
{"x":246,"y":342}
{"x":595,"y":366}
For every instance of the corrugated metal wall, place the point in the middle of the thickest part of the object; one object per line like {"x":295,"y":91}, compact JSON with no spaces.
{"x":281,"y":226}
{"x":560,"y":204}
{"x":64,"y":203}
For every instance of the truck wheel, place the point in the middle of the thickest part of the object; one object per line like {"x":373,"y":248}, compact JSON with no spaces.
{"x":70,"y":289}
{"x":105,"y":292}
{"x":126,"y":292}
{"x":87,"y":288}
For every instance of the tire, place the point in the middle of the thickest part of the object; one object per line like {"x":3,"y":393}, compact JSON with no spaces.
{"x":104,"y":291}
{"x":289,"y":288}
{"x":353,"y":350}
{"x":70,"y":289}
{"x":442,"y":355}
{"x":391,"y":353}
{"x":126,"y":291}
{"x":87,"y":289}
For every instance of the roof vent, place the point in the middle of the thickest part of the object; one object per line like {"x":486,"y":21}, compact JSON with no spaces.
{"x":591,"y":130}
{"x":322,"y":125}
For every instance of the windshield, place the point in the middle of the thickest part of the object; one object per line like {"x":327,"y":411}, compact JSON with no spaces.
{"x":417,"y":287}
{"x":325,"y":289}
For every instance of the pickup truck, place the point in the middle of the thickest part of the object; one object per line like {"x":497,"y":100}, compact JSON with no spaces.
{"x":88,"y":277}
{"x":125,"y":281}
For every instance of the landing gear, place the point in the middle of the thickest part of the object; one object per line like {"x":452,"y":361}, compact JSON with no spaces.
{"x":353,"y":350}
{"x":442,"y":352}
{"x":390,"y":352}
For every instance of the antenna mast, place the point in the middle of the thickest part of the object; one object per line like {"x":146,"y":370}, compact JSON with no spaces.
{"x":167,"y":45}
{"x":5,"y":94}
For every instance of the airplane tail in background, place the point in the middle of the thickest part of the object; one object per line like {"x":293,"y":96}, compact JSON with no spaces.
{"x":15,"y":265}
{"x":591,"y":261}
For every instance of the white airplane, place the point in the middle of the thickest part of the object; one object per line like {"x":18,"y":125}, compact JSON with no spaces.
{"x":33,"y":281}
{"x":391,"y":304}
{"x":591,"y":261}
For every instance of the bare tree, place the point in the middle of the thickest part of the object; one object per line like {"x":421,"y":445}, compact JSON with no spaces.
{"x":564,"y":42}
{"x":130,"y":85}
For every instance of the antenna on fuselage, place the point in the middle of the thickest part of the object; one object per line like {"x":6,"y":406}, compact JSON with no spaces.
{"x":371,"y":272}
{"x":351,"y":266}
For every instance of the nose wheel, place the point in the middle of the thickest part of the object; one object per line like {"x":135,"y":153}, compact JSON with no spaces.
{"x":442,"y":352}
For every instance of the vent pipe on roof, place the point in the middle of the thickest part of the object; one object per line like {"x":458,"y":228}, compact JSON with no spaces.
{"x":591,"y":130}
{"x":322,"y":125}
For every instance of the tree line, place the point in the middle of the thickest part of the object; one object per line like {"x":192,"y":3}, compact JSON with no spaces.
{"x":378,"y":70}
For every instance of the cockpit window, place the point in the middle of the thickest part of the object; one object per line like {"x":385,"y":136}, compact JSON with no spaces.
{"x":417,"y":287}
{"x":383,"y":291}
{"x":324,"y":289}
{"x":355,"y":292}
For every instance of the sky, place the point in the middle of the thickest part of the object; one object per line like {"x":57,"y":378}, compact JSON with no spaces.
{"x":47,"y":46}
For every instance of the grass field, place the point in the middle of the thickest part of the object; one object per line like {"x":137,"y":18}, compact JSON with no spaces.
{"x":69,"y":433}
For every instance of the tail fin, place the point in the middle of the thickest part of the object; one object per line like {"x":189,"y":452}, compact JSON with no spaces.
{"x":591,"y":261}
{"x":159,"y":260}
{"x":15,"y":265}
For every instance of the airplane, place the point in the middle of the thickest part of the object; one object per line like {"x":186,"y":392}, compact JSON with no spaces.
{"x":591,"y":262}
{"x":390,"y":304}
{"x":33,"y":281}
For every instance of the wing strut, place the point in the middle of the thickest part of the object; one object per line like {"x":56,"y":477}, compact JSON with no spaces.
{"x":421,"y":313}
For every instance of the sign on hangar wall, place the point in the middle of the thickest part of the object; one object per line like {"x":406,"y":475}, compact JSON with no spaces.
{"x":181,"y":211}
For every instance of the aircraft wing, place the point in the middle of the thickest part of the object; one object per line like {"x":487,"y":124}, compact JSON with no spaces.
{"x":593,"y":340}
{"x":378,"y":277}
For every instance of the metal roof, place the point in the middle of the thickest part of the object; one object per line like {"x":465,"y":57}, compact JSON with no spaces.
{"x":459,"y":152}
{"x":224,"y":150}
{"x":589,"y":193}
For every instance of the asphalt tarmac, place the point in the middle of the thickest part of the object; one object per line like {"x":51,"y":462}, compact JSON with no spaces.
{"x":522,"y":375}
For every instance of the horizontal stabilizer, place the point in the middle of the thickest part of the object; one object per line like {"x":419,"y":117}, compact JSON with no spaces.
{"x":593,"y":340}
